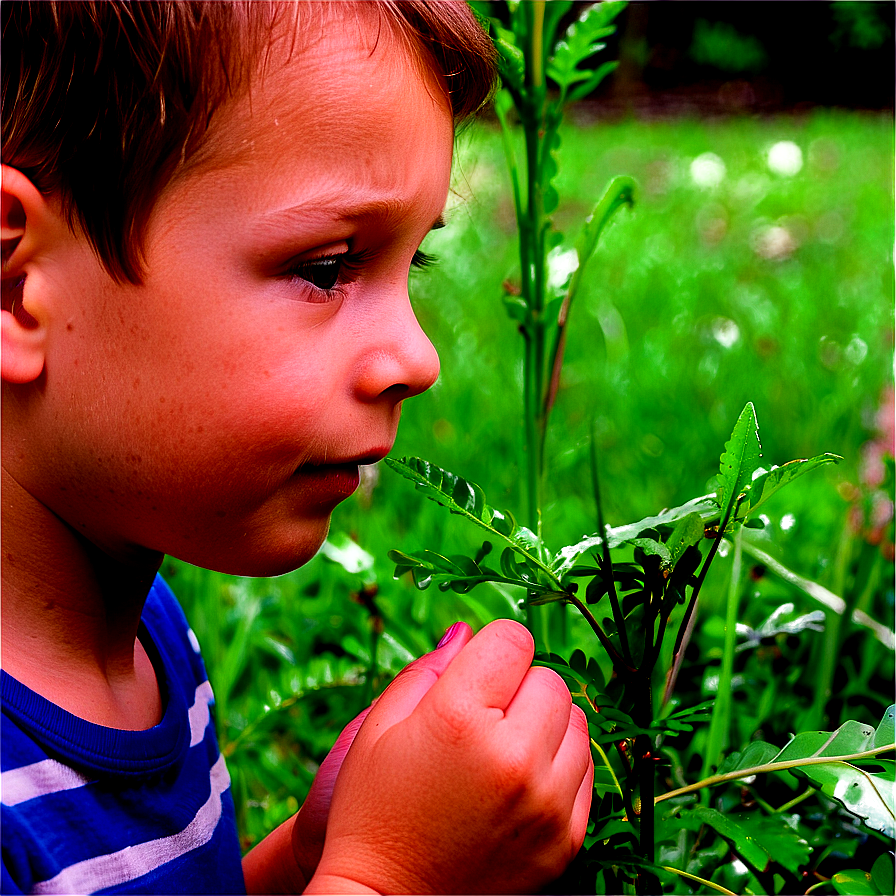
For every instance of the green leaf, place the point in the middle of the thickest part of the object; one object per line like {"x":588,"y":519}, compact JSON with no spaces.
{"x":589,"y":86}
{"x":619,"y":192}
{"x":739,"y":459}
{"x":706,"y":507}
{"x":688,"y":531}
{"x":581,"y":41}
{"x":468,"y":500}
{"x":460,"y":573}
{"x":758,"y":838}
{"x":562,"y":261}
{"x":883,"y":874}
{"x":742,"y":839}
{"x":511,"y":60}
{"x":769,"y":482}
{"x":781,"y":622}
{"x":868,"y":795}
{"x":855,"y":883}
{"x":653,"y":548}
{"x":566,"y":557}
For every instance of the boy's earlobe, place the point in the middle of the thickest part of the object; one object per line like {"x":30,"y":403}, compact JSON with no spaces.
{"x":23,"y":227}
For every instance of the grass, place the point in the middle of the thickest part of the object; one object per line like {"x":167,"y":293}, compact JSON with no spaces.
{"x":765,"y":287}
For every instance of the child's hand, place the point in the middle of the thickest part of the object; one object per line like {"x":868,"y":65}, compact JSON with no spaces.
{"x":310,"y":824}
{"x":477,"y":780}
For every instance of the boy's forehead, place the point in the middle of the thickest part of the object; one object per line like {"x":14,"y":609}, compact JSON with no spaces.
{"x":344,"y":57}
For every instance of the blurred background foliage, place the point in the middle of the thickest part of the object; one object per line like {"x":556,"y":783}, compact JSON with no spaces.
{"x":757,"y":265}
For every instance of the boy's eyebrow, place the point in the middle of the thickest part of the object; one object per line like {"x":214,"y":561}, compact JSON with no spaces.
{"x":384,"y":209}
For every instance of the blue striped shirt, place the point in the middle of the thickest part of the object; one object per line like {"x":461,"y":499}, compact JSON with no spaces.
{"x":88,"y":809}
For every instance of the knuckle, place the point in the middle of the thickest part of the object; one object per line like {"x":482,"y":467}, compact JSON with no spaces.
{"x":451,"y":721}
{"x":552,"y":682}
{"x":513,"y":633}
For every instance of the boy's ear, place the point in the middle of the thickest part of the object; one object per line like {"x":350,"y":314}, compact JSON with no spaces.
{"x":28,"y":223}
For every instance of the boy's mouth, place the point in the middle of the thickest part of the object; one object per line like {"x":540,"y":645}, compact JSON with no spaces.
{"x":340,"y":477}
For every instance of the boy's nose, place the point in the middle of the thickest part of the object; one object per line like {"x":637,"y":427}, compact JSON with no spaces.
{"x":401,"y":361}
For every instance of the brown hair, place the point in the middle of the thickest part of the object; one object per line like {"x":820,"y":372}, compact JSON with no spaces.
{"x":104,"y":101}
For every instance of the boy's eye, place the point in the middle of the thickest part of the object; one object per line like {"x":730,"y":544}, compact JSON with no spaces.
{"x":320,"y":272}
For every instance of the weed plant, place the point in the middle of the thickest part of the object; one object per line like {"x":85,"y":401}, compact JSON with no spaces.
{"x":734,"y":278}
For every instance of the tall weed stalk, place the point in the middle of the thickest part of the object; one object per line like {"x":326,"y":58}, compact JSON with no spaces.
{"x":638,"y":584}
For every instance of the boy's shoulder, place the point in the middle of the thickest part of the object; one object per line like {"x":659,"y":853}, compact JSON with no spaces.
{"x":34,"y":728}
{"x":127,"y":806}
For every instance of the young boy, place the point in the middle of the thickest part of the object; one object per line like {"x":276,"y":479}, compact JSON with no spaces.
{"x":209,"y":212}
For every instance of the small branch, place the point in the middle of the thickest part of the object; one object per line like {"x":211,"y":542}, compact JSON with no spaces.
{"x":607,"y":570}
{"x":699,"y":880}
{"x":618,"y":662}
{"x":606,"y":760}
{"x":773,"y":767}
{"x":687,"y":624}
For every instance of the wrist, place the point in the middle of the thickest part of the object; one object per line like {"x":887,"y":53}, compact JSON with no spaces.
{"x":273,"y":867}
{"x":335,"y":884}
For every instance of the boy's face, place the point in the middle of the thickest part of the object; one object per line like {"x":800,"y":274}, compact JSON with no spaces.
{"x":219,"y":411}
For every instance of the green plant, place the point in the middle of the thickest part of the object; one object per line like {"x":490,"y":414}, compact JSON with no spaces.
{"x":651,"y":586}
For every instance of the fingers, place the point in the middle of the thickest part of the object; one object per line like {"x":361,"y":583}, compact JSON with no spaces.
{"x":540,"y":709}
{"x":579,"y":738}
{"x":400,"y":699}
{"x":490,"y":668}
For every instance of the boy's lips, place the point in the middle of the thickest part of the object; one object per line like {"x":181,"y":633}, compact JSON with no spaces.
{"x":340,"y":477}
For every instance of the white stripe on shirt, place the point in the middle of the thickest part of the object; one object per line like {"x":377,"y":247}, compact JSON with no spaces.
{"x":199,"y":715}
{"x":116,"y":868}
{"x":18,"y":785}
{"x":48,"y":776}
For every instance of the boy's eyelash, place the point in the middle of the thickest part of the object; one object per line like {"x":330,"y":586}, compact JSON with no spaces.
{"x":328,"y":272}
{"x":423,"y":260}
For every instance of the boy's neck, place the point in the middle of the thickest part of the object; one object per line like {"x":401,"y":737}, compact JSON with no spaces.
{"x":70,"y":613}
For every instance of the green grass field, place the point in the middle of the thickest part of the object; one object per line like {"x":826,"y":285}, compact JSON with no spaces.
{"x":729,"y":282}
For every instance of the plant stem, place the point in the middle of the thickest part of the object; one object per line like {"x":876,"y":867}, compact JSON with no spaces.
{"x":719,"y":727}
{"x":772,"y":767}
{"x":687,"y":624}
{"x":607,"y":570}
{"x":700,"y":880}
{"x":645,"y":773}
{"x":606,"y":760}
{"x":619,"y":663}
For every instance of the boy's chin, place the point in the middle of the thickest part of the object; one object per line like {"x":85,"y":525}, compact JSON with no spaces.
{"x":265,"y":557}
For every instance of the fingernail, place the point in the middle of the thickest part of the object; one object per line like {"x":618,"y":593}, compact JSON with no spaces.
{"x":449,"y":634}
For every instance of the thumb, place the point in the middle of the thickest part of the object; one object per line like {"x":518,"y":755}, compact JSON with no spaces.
{"x":400,"y":699}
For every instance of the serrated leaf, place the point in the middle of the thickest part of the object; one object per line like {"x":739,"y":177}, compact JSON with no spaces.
{"x":705,"y":506}
{"x":766,"y":484}
{"x":739,"y":459}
